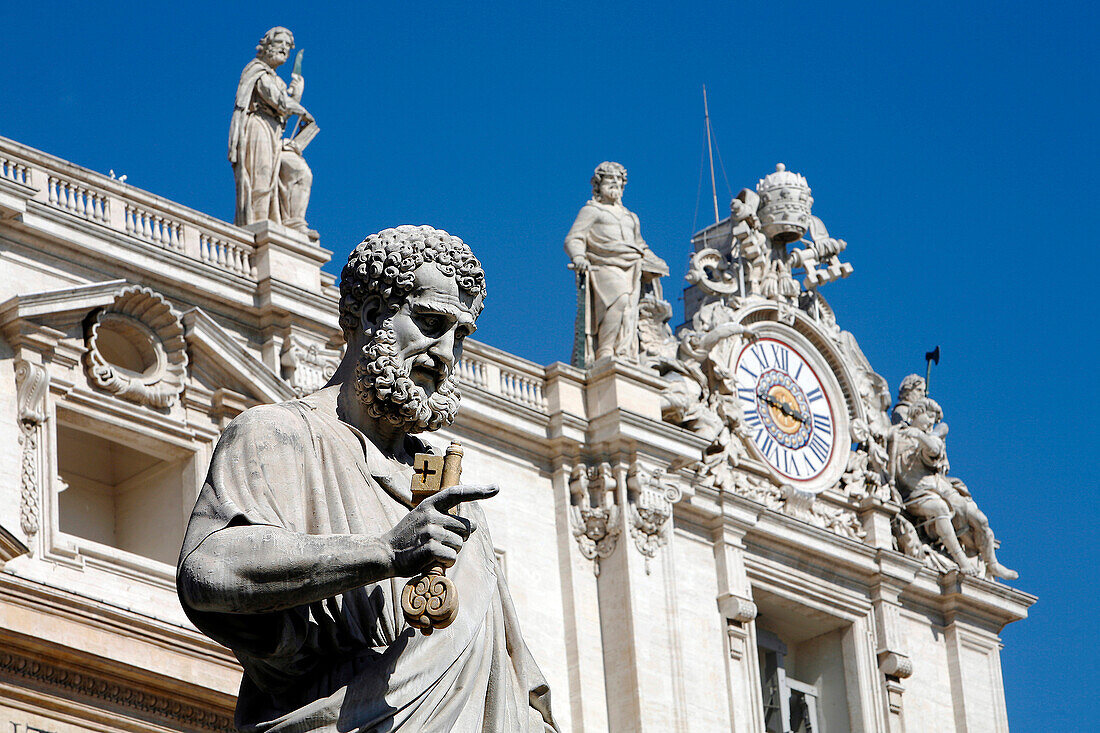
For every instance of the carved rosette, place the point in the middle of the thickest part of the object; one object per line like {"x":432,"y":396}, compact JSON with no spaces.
{"x":597,"y":521}
{"x":651,"y":503}
{"x":32,"y":382}
{"x":136,"y":349}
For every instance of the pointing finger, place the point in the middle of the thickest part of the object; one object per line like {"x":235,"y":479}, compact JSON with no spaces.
{"x":455,"y":495}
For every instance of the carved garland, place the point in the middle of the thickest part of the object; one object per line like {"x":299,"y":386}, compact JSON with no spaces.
{"x":31,"y":382}
{"x":136,"y":349}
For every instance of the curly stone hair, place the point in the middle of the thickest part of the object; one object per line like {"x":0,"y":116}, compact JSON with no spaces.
{"x":382,"y":267}
{"x":607,"y":168}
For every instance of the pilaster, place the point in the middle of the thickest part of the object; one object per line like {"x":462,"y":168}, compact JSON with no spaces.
{"x":735,"y":603}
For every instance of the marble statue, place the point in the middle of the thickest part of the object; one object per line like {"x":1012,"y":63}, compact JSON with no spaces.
{"x":614,"y":266}
{"x":273,"y":180}
{"x":911,"y":391}
{"x":303,"y":534}
{"x":941,"y":503}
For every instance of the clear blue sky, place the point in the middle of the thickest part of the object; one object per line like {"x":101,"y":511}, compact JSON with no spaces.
{"x":953,"y":146}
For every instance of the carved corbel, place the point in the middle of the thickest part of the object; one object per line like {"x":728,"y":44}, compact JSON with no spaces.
{"x":596,"y":517}
{"x":650,"y":502}
{"x":31,"y":384}
{"x":737,"y":611}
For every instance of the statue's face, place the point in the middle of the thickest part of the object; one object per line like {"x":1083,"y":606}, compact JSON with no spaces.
{"x":611,"y":188}
{"x":405,"y":371}
{"x":277,"y":51}
{"x":431,"y":326}
{"x":915,"y":392}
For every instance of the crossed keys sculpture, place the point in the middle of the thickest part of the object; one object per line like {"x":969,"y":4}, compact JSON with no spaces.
{"x":430,"y":600}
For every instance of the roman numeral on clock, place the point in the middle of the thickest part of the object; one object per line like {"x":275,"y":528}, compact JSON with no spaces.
{"x":824,"y":423}
{"x":819,"y":447}
{"x":768,"y":447}
{"x":782,"y":357}
{"x":752,"y":420}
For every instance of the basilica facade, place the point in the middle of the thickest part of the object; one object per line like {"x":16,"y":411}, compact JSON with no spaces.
{"x":731,"y":525}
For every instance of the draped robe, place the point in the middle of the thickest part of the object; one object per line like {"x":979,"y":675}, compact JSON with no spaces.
{"x":609,"y":237}
{"x":256,"y":146}
{"x":351,"y":663}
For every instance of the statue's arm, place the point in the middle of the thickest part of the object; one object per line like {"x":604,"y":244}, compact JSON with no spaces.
{"x":242,"y":557}
{"x":575,"y":240}
{"x":256,"y":568}
{"x":272,"y":91}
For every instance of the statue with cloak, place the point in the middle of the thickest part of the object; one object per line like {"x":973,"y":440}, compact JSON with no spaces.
{"x":307,"y":527}
{"x":273,"y":179}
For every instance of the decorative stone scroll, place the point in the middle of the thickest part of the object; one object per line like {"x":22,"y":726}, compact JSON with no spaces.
{"x":596,"y":517}
{"x":307,"y":367}
{"x":650,"y":500}
{"x":32,"y":383}
{"x":136,"y":349}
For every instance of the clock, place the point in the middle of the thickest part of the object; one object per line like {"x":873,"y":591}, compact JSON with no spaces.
{"x":792,"y":408}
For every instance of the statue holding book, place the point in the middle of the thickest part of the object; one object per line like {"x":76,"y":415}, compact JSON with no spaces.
{"x":273,"y":179}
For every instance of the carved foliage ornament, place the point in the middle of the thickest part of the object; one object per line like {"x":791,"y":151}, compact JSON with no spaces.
{"x":136,"y":349}
{"x":597,"y":521}
{"x":651,"y":501}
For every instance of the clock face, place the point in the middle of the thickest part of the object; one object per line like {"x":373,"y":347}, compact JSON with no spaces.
{"x":786,"y":407}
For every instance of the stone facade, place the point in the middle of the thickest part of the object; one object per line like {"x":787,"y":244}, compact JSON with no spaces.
{"x":654,"y":595}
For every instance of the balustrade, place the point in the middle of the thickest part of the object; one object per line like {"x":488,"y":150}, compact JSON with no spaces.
{"x":522,"y":389}
{"x":77,"y":199}
{"x":473,"y":372}
{"x":154,"y":228}
{"x":13,"y":171}
{"x":231,"y":256}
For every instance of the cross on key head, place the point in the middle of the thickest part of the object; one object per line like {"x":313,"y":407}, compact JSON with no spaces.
{"x":427,"y":476}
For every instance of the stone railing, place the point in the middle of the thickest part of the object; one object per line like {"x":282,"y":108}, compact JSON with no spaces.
{"x":497,"y":372}
{"x":130,"y":211}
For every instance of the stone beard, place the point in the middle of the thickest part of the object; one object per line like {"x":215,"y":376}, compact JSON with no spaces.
{"x":383,"y":385}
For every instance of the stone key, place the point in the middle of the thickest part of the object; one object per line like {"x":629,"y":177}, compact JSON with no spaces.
{"x":430,"y":601}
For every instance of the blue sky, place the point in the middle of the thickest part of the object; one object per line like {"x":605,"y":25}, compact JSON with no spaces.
{"x":952,"y":146}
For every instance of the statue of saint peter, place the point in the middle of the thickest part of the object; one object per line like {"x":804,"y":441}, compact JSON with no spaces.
{"x":305,"y":531}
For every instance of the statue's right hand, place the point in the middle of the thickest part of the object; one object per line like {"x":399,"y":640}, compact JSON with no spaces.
{"x":580,"y":264}
{"x":428,"y":534}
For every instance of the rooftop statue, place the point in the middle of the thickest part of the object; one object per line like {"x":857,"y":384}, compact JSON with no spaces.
{"x":273,"y":180}
{"x":308,"y":524}
{"x":940,"y":503}
{"x":614,"y":266}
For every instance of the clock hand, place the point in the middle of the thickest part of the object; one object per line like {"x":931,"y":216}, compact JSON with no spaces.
{"x":782,"y":407}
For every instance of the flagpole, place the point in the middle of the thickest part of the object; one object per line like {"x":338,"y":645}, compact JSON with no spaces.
{"x":710,"y":153}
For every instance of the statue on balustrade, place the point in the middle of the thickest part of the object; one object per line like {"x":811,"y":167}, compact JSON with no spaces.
{"x":614,"y":268}
{"x":940,"y":504}
{"x":273,"y":180}
{"x":308,"y":524}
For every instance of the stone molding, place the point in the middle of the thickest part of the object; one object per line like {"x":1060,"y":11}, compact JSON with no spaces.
{"x":142,"y":703}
